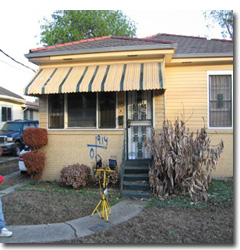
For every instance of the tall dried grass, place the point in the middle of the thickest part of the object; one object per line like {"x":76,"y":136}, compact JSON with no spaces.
{"x":182,"y":163}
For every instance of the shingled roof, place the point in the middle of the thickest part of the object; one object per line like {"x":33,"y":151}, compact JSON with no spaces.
{"x":190,"y":45}
{"x":9,"y":93}
{"x":186,"y":46}
{"x":100,"y":44}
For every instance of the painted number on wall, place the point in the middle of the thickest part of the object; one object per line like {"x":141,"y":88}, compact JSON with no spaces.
{"x":100,"y":142}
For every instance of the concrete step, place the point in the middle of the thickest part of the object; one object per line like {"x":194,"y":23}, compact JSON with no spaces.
{"x":136,"y":194}
{"x":136,"y":185}
{"x":135,"y":170}
{"x":144,"y":162}
{"x":136,"y":177}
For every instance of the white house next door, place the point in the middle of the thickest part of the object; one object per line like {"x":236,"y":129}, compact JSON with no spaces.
{"x":139,"y":123}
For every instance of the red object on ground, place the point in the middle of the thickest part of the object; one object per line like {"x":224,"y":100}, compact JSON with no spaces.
{"x":1,"y":178}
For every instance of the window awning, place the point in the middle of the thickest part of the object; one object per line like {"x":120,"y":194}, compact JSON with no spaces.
{"x":97,"y":78}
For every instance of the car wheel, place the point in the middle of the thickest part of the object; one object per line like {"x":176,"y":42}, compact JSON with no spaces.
{"x":17,"y":148}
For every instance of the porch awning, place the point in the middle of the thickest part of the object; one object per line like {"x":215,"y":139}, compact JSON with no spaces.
{"x":97,"y":78}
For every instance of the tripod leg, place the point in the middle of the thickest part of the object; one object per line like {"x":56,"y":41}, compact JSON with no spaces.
{"x":96,"y":209}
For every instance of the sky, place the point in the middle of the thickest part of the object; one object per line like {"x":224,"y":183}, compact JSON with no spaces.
{"x":20,"y":29}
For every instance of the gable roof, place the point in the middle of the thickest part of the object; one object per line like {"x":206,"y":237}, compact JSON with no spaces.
{"x":6,"y":92}
{"x":100,"y":44}
{"x":188,"y":46}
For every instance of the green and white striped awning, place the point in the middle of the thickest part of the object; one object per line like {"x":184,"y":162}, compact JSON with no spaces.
{"x":97,"y":78}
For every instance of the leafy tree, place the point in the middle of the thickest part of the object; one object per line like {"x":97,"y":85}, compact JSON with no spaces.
{"x":73,"y":25}
{"x":224,"y":18}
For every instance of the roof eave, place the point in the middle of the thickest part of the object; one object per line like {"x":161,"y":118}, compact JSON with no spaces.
{"x":97,"y":50}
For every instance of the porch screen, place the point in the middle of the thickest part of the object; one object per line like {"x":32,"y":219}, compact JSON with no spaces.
{"x":107,"y":110}
{"x":82,"y":110}
{"x":56,"y":111}
{"x":220,"y":101}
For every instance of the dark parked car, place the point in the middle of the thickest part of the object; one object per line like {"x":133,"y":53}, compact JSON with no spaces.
{"x":11,"y":135}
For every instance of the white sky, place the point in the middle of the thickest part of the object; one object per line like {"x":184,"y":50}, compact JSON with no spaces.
{"x":20,"y":28}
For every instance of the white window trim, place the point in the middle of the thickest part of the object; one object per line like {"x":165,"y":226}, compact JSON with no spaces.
{"x":218,"y":72}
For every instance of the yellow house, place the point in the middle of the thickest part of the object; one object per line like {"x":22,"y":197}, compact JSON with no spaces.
{"x":103,"y":95}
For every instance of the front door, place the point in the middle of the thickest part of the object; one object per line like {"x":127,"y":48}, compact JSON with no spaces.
{"x":139,"y":123}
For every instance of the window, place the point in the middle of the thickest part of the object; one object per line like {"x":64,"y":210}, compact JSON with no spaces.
{"x":56,"y":111}
{"x":107,"y":110}
{"x":6,"y":114}
{"x":82,"y":110}
{"x":28,"y":114}
{"x":220,"y":100}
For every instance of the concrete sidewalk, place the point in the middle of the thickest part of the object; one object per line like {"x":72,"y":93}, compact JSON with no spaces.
{"x":48,"y":233}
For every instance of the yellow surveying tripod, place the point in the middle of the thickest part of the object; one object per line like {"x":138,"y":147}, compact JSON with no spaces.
{"x":103,"y":202}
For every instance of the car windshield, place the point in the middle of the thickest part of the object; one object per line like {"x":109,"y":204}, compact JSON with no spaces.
{"x":12,"y":126}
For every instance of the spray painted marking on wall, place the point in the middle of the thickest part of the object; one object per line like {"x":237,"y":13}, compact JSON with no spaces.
{"x":100,"y":142}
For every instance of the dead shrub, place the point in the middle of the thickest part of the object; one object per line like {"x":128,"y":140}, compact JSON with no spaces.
{"x":34,"y":162}
{"x":181,"y":163}
{"x":75,"y":175}
{"x":35,"y":138}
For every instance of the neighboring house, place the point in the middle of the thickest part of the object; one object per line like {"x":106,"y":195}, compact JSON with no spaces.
{"x":31,"y":111}
{"x":103,"y":95}
{"x":13,"y":107}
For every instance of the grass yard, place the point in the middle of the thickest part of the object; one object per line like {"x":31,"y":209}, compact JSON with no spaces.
{"x":177,"y":220}
{"x":45,"y":203}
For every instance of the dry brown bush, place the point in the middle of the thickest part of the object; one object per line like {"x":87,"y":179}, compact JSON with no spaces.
{"x":35,"y":138}
{"x":181,"y":163}
{"x":75,"y":175}
{"x":34,"y":162}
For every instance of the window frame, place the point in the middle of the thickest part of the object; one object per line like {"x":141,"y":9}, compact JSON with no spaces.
{"x":218,"y":73}
{"x":63,"y":114}
{"x":7,"y":107}
{"x":65,"y":117}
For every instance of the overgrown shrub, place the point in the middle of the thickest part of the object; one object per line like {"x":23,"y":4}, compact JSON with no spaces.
{"x":181,"y":163}
{"x":34,"y":162}
{"x":35,"y":138}
{"x":75,"y":175}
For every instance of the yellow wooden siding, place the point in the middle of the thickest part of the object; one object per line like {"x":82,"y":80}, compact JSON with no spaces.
{"x":186,"y":98}
{"x":159,"y":109}
{"x":43,"y":111}
{"x":186,"y":93}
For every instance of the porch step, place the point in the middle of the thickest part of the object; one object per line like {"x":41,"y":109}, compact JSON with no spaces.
{"x":136,"y":170}
{"x":135,"y":180}
{"x":136,"y":194}
{"x":144,"y":162}
{"x":136,"y":177}
{"x":136,"y":185}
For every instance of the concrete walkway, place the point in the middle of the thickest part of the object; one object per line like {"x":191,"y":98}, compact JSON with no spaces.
{"x":48,"y":233}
